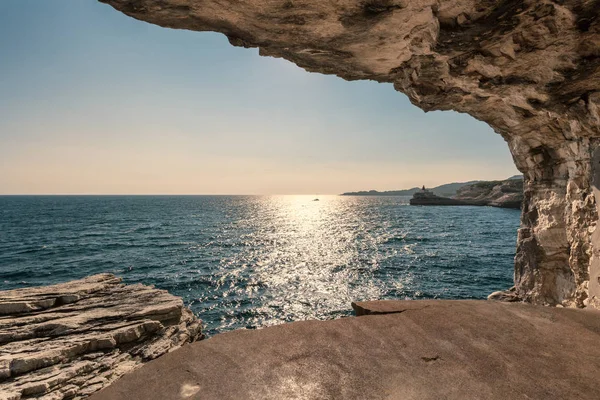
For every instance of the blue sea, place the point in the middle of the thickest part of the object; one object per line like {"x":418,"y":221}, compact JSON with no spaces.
{"x":254,"y":261}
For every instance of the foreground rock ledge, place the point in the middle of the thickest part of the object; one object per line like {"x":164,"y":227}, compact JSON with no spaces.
{"x":415,"y":350}
{"x":72,"y":339}
{"x":530,"y":69}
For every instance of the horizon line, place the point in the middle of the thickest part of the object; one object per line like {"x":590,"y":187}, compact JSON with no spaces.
{"x":169,"y":194}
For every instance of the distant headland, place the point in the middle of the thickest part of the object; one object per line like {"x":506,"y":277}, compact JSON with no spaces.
{"x":446,"y":190}
{"x":507,"y":193}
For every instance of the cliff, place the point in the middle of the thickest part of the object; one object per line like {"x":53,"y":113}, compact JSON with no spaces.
{"x":72,"y":339}
{"x":505,"y":194}
{"x":529,"y":68}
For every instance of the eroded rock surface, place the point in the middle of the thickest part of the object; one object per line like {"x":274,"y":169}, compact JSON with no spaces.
{"x":505,"y":194}
{"x":419,"y":350}
{"x":529,"y":68}
{"x":70,"y":340}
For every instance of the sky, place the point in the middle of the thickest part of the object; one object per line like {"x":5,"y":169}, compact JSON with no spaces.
{"x":95,"y":102}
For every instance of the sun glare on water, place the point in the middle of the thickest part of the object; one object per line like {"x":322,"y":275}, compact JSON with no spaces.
{"x":309,"y":262}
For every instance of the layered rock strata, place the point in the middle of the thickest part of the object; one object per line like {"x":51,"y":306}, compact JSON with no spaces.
{"x":529,"y":68}
{"x":504,"y":194}
{"x":70,"y":340}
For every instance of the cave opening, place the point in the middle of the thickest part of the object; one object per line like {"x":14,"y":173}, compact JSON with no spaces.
{"x":529,"y":70}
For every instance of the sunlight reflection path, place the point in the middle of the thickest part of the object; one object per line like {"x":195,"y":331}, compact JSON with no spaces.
{"x":310,"y":261}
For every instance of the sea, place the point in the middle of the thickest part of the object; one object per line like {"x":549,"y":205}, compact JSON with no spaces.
{"x":254,"y":261}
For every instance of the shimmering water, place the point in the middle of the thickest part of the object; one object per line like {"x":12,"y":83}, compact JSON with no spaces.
{"x":252,"y":261}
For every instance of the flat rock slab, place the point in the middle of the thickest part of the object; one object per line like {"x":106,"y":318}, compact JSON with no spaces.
{"x":386,"y":307}
{"x":423,"y":350}
{"x":70,"y":340}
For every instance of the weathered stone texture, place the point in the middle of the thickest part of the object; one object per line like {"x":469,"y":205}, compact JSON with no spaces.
{"x":529,"y":68}
{"x":70,"y":340}
{"x":507,"y":194}
{"x":412,"y":350}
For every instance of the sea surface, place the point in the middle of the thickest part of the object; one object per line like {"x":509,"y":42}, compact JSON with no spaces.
{"x":254,"y":261}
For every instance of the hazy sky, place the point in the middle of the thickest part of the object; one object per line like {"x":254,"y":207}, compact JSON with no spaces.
{"x":92,"y":101}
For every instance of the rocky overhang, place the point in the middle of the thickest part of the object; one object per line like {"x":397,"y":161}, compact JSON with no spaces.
{"x":529,"y":68}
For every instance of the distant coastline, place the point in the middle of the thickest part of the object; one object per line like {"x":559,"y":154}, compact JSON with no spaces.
{"x":445,"y":190}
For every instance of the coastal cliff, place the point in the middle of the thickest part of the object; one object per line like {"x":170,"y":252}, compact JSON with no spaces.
{"x":505,"y":194}
{"x":70,"y":340}
{"x":530,"y":69}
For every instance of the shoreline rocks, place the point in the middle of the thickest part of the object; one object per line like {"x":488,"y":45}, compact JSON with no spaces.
{"x":417,"y":349}
{"x":72,"y":339}
{"x":503,"y":194}
{"x":428,"y":198}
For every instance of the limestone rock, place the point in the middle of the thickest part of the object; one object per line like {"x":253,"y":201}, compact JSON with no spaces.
{"x":508,"y":296}
{"x":505,"y":194}
{"x":423,"y":349}
{"x":72,"y":339}
{"x":379,"y":307}
{"x":530,"y":69}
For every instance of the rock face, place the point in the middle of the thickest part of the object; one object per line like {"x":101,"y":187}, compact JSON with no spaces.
{"x":72,"y":339}
{"x":417,"y":350}
{"x":529,"y":68}
{"x":505,"y":194}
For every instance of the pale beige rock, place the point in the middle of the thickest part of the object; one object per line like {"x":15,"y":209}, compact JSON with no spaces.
{"x":507,"y":194}
{"x":72,"y":339}
{"x":531,"y":69}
